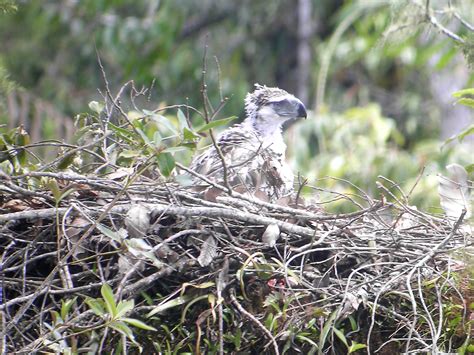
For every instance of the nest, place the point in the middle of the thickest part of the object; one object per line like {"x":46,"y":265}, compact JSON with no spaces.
{"x":133,"y":262}
{"x":228,"y":275}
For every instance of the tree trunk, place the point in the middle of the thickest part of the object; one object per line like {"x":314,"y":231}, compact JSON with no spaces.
{"x":304,"y":49}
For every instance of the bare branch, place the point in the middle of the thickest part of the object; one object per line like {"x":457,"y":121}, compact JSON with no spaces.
{"x":255,"y":320}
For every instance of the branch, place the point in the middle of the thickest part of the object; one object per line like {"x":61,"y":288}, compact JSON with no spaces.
{"x":434,"y":21}
{"x":214,"y":212}
{"x":254,"y":320}
{"x":207,"y":118}
{"x":193,"y":27}
{"x":456,"y":14}
{"x":420,"y":264}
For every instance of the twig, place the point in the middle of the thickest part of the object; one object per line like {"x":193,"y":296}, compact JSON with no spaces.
{"x":208,"y":119}
{"x":138,"y":264}
{"x":187,"y":107}
{"x":33,"y":214}
{"x":431,"y":19}
{"x":254,"y":320}
{"x":147,"y":282}
{"x":47,"y":280}
{"x":221,"y":283}
{"x":420,"y":264}
{"x":213,"y":212}
{"x":219,"y":77}
{"x":298,"y":213}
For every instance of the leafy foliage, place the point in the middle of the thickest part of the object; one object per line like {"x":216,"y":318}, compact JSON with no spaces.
{"x":358,"y":146}
{"x":468,"y":50}
{"x":8,"y":6}
{"x":112,"y":314}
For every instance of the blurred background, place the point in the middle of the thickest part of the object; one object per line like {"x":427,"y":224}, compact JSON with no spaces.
{"x":377,"y":75}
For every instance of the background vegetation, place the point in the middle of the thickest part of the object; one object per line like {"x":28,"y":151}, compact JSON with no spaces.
{"x":378,"y":74}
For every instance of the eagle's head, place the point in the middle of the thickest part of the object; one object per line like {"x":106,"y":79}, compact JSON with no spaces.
{"x":268,"y":108}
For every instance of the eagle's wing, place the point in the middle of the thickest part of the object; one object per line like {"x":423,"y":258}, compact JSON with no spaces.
{"x":241,"y":150}
{"x":251,"y":167}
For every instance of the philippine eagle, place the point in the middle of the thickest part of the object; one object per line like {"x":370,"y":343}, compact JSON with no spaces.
{"x":254,"y":151}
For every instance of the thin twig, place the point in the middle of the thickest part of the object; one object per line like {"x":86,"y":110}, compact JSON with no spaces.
{"x":254,"y":320}
{"x":421,"y":263}
{"x":208,"y":118}
{"x":433,"y":20}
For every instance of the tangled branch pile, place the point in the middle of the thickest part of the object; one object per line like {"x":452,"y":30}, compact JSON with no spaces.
{"x":203,"y":267}
{"x":122,"y":259}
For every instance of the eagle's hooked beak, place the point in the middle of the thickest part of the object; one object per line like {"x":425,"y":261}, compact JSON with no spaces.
{"x":302,"y":110}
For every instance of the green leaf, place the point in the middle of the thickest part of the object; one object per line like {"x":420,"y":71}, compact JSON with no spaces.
{"x":143,"y":135}
{"x":308,"y":340}
{"x":135,"y":115}
{"x":170,"y":304}
{"x":446,"y":58}
{"x":238,"y":339}
{"x":174,"y":149}
{"x":56,"y":318}
{"x":66,"y":307}
{"x":118,"y":236}
{"x":53,"y":186}
{"x":466,"y":102}
{"x":464,"y":92}
{"x":216,"y":123}
{"x":95,"y":106}
{"x":469,"y":168}
{"x":166,"y":163}
{"x":124,"y":307}
{"x":183,"y":122}
{"x":66,"y":161}
{"x":463,"y":134}
{"x":122,"y":132}
{"x":466,"y":132}
{"x":189,"y":135}
{"x":264,"y":271}
{"x":203,"y":285}
{"x":269,"y":322}
{"x":311,"y":323}
{"x":147,"y":297}
{"x":130,"y":154}
{"x":161,"y":121}
{"x":355,"y":346}
{"x":109,"y":299}
{"x":196,"y":299}
{"x":327,"y":327}
{"x":466,"y":97}
{"x":7,"y":7}
{"x":97,"y":306}
{"x":66,"y":192}
{"x":157,"y":138}
{"x":138,"y":323}
{"x":340,"y":335}
{"x":353,"y":322}
{"x":121,"y":327}
{"x":22,"y":138}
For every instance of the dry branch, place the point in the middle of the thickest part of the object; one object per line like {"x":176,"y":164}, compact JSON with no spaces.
{"x":359,"y":253}
{"x":168,"y":249}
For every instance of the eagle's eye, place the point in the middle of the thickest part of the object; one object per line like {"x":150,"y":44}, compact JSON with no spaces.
{"x":281,"y":103}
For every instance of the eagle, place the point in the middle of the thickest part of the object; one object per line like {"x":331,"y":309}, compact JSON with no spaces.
{"x":254,"y":151}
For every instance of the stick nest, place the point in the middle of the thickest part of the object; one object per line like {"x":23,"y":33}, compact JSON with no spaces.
{"x":378,"y":277}
{"x":121,"y":259}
